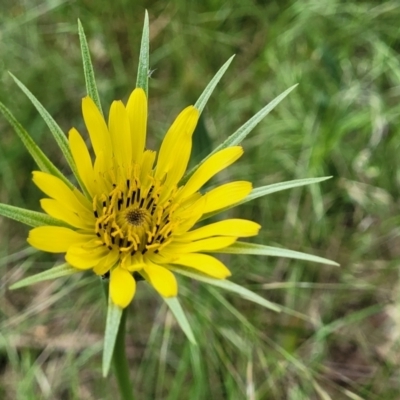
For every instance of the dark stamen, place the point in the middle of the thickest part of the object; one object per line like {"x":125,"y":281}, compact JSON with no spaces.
{"x":150,"y":203}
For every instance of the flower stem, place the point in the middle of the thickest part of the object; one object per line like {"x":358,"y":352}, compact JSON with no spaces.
{"x":120,"y":362}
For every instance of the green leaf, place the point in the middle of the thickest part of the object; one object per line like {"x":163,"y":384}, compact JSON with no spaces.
{"x":91,"y":87}
{"x":260,"y":249}
{"x":232,"y":287}
{"x":28,"y":217}
{"x":114,"y":314}
{"x":202,"y":101}
{"x":40,"y":158}
{"x":143,"y":67}
{"x":176,"y":308}
{"x":52,"y":273}
{"x":55,"y":129}
{"x":265,"y":190}
{"x":237,"y":137}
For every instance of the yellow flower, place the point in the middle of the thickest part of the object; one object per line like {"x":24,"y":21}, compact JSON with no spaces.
{"x":132,"y":219}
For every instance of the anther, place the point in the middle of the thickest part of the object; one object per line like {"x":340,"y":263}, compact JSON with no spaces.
{"x":150,"y":203}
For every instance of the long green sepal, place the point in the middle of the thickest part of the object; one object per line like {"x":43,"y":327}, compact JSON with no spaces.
{"x":142,"y":80}
{"x":237,"y":137}
{"x":114,"y":314}
{"x":28,"y":217}
{"x":52,"y":273}
{"x":277,"y":187}
{"x":120,"y":361}
{"x":268,"y":189}
{"x":37,"y":154}
{"x":232,"y":287}
{"x":176,"y":308}
{"x":261,"y":250}
{"x":203,"y":99}
{"x":55,"y":129}
{"x":90,"y":81}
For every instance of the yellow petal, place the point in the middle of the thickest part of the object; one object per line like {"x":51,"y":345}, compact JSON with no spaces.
{"x":147,"y":165}
{"x":107,"y":262}
{"x":83,"y":257}
{"x":57,"y":210}
{"x":58,"y":190}
{"x":216,"y":163}
{"x":96,"y":126}
{"x":122,"y":287}
{"x":226,"y":195}
{"x":228,"y":227}
{"x":169,"y":157}
{"x":82,"y":159}
{"x":137,"y":113}
{"x":189,"y":216}
{"x":161,"y":279}
{"x":209,"y":244}
{"x":54,"y":239}
{"x":118,"y":124}
{"x":101,"y":169}
{"x":204,"y":263}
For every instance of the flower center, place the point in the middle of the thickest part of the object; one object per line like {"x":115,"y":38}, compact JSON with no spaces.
{"x":136,"y":217}
{"x":131,"y":218}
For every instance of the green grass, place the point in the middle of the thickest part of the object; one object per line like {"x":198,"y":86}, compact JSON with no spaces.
{"x":339,"y":334}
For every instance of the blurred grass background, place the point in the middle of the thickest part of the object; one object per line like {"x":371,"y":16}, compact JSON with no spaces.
{"x":339,"y":338}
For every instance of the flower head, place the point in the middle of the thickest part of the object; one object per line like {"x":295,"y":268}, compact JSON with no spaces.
{"x":133,"y":218}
